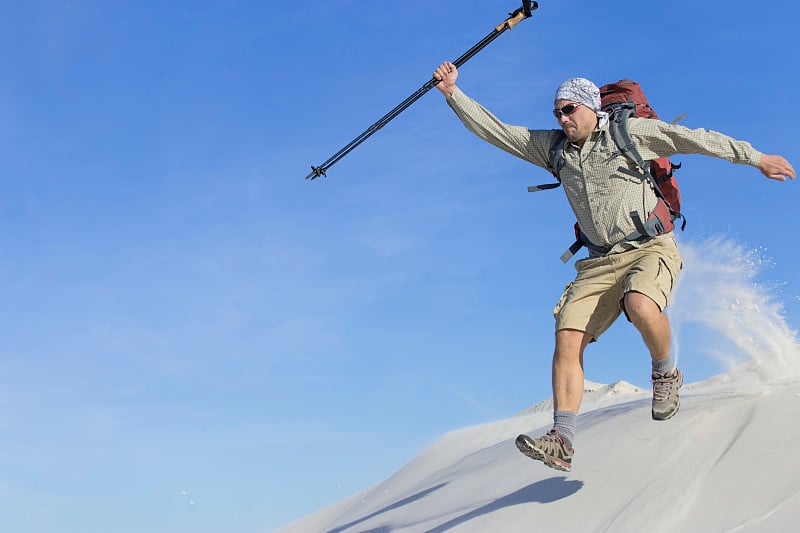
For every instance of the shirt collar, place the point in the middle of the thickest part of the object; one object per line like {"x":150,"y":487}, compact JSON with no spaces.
{"x":602,"y":120}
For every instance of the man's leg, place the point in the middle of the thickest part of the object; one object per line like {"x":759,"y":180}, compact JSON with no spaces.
{"x":589,"y":304}
{"x":653,"y":324}
{"x":568,"y":381}
{"x":568,"y":369}
{"x":555,"y":448}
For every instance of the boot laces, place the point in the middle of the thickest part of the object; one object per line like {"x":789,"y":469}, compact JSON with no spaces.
{"x":662,"y":384}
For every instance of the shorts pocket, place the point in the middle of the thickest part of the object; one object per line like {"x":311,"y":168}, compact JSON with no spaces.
{"x":563,"y":299}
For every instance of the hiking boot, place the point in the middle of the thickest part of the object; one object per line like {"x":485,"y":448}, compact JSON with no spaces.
{"x":666,"y":401}
{"x":551,"y":449}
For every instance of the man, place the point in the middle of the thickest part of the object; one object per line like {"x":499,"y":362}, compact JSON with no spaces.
{"x":624,"y":272}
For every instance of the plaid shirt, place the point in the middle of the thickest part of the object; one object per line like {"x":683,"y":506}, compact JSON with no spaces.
{"x":602,"y":197}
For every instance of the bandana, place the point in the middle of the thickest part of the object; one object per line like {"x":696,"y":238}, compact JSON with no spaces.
{"x":585,"y":92}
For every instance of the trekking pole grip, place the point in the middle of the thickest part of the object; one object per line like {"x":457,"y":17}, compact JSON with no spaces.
{"x":518,"y":16}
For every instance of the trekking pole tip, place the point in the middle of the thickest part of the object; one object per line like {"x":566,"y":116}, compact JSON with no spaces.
{"x":316,"y":172}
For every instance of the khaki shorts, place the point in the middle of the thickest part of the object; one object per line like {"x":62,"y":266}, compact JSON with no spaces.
{"x":593,"y":301}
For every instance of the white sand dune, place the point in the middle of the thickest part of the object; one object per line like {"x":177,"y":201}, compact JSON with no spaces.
{"x":728,"y":461}
{"x":725,"y":463}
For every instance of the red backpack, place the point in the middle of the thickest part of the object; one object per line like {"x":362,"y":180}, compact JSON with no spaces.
{"x":622,"y":100}
{"x":617,"y":99}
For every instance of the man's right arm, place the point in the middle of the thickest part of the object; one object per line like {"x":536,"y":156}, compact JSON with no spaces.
{"x":446,"y":73}
{"x":530,"y":145}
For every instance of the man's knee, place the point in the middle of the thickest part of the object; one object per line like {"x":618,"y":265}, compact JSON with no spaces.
{"x":570,"y":343}
{"x":640,"y":308}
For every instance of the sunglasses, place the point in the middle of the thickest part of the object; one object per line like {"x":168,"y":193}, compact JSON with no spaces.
{"x":566,"y":110}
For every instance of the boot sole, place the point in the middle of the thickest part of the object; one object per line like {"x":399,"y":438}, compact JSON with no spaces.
{"x":669,"y":415}
{"x":529,"y":449}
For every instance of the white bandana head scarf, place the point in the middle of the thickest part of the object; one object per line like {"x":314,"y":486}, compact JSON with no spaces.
{"x":584,"y":92}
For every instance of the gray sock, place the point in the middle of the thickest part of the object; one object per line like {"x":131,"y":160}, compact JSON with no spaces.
{"x":662,"y":366}
{"x":566,"y":422}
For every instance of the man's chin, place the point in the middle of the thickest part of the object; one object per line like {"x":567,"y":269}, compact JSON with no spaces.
{"x":574,"y":136}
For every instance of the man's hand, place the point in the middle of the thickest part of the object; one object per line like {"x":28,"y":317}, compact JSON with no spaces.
{"x":447,"y":73}
{"x":776,"y":167}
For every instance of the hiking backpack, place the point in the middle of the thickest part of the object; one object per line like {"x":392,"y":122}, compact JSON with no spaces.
{"x":622,"y":100}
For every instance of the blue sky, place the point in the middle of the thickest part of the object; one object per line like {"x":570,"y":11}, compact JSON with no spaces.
{"x":197,"y":339}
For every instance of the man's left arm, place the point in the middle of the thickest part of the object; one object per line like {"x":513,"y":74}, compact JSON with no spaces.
{"x":776,"y":167}
{"x":655,"y":138}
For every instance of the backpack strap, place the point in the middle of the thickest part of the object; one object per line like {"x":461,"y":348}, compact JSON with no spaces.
{"x":555,"y":162}
{"x":571,"y":251}
{"x":618,"y":128}
{"x":581,"y":241}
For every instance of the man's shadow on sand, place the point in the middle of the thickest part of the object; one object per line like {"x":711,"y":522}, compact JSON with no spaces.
{"x":544,"y":491}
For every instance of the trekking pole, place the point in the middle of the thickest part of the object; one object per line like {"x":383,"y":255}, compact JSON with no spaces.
{"x":515,"y":18}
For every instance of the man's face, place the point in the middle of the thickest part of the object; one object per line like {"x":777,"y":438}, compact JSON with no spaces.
{"x":578,"y":122}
